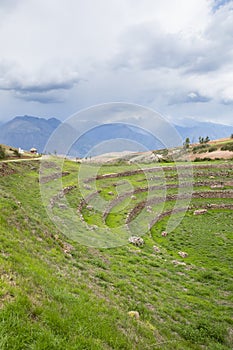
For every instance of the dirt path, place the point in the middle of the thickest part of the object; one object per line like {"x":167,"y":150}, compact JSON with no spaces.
{"x":18,"y":160}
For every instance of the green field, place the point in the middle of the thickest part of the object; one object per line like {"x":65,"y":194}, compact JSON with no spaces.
{"x":56,"y":292}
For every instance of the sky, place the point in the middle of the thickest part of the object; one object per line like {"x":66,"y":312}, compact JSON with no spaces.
{"x":61,"y":56}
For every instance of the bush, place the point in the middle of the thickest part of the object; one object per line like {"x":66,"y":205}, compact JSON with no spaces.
{"x":197,"y":159}
{"x":2,"y":153}
{"x":16,"y":153}
{"x":200,"y":148}
{"x":227,"y":147}
{"x":203,"y":332}
{"x":212,"y":149}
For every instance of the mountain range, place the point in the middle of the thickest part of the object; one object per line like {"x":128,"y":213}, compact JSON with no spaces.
{"x":27,"y":132}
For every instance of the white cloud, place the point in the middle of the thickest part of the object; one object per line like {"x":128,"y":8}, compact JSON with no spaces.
{"x":175,"y":56}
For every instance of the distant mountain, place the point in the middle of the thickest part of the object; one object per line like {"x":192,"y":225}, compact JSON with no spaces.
{"x":27,"y":132}
{"x":214,"y":131}
{"x":130,"y":138}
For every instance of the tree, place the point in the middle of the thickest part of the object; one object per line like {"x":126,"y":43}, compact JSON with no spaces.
{"x":231,"y":136}
{"x":186,"y":143}
{"x":201,"y":140}
{"x":2,"y":153}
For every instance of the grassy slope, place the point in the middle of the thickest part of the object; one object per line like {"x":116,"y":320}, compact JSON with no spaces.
{"x":59,"y":296}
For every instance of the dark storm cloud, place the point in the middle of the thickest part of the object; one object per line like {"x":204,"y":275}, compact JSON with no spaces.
{"x":42,"y":92}
{"x":44,"y":98}
{"x":39,"y":87}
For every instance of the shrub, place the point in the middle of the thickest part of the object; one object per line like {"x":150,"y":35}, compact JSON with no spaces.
{"x":201,"y":148}
{"x":2,"y":153}
{"x":204,"y":331}
{"x":227,"y":147}
{"x":212,"y":149}
{"x":16,"y":153}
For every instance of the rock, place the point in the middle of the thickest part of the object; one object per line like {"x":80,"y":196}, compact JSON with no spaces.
{"x":156,"y":249}
{"x":200,"y":211}
{"x":67,"y":248}
{"x":217,"y":186}
{"x":111,"y":193}
{"x":183,"y":254}
{"x":164,"y":234}
{"x":138,"y":241}
{"x":148,"y":209}
{"x":133,"y":197}
{"x":176,"y":262}
{"x":89,"y":207}
{"x":134,"y":314}
{"x":134,"y":251}
{"x":62,"y":206}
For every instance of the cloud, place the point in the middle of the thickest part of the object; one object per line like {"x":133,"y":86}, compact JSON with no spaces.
{"x":187,"y":67}
{"x":44,"y":98}
{"x":189,"y":51}
{"x":187,"y":97}
{"x":219,"y":3}
{"x":43,"y":86}
{"x":173,"y":56}
{"x":39,"y":87}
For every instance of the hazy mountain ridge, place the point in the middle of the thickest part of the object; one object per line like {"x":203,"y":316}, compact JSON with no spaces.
{"x":28,"y":131}
{"x":214,"y":131}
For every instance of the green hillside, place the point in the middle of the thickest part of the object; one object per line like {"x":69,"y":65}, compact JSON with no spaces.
{"x":56,"y":293}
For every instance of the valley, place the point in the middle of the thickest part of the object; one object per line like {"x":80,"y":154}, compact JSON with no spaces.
{"x":72,"y":289}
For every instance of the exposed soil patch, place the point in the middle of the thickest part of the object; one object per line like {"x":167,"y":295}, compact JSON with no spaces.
{"x":168,"y":186}
{"x":179,"y":210}
{"x":45,"y":179}
{"x":55,"y":199}
{"x":212,"y":155}
{"x":208,"y":194}
{"x":161,"y":169}
{"x":6,"y":170}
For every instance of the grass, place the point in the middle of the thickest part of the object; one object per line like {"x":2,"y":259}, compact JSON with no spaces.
{"x":58,"y":294}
